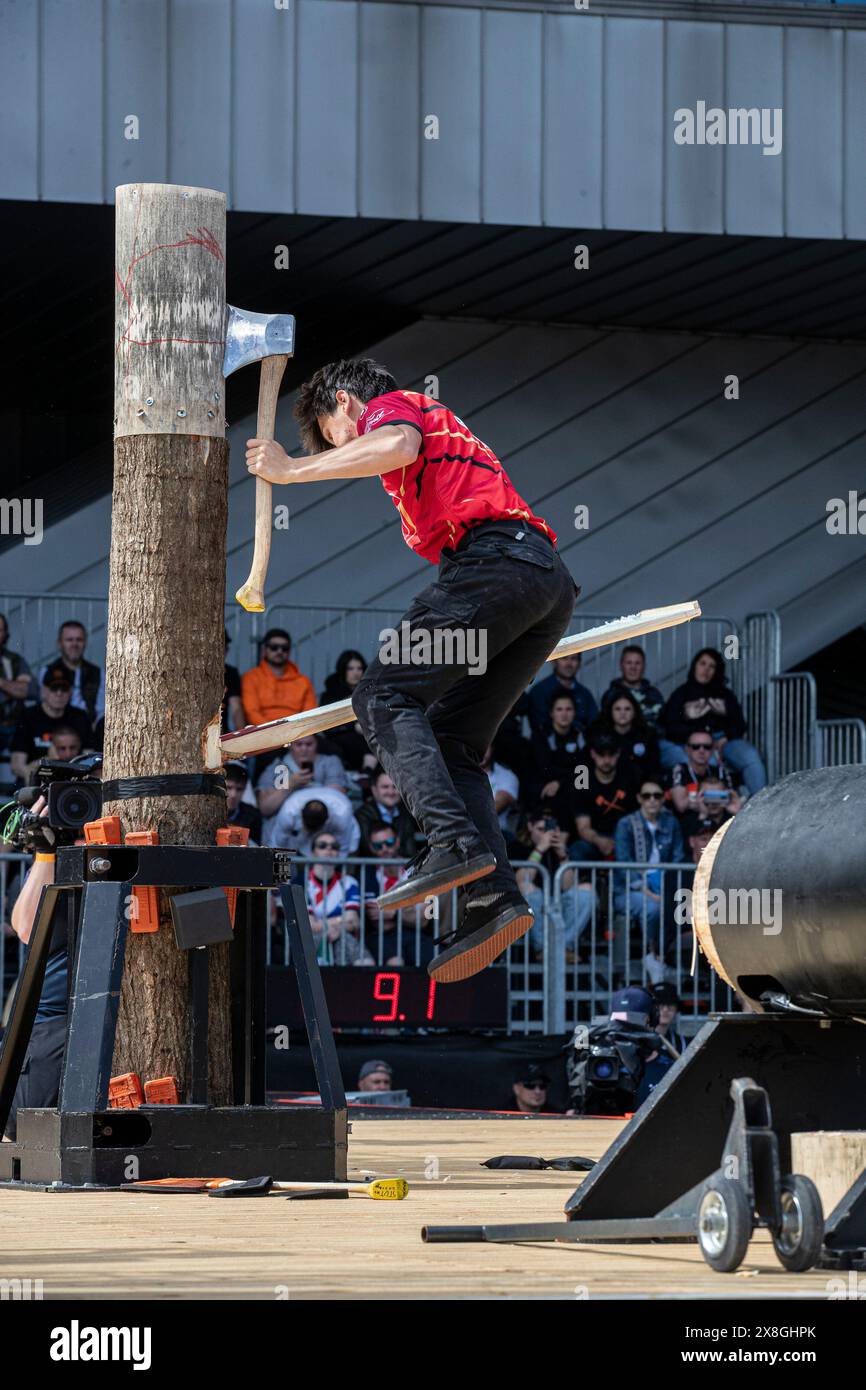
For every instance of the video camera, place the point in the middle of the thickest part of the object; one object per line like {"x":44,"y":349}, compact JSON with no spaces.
{"x":74,"y":795}
{"x":607,"y":1060}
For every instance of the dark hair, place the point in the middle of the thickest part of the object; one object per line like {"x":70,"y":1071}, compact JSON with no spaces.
{"x":276,"y":632}
{"x":606,"y":724}
{"x":376,"y":827}
{"x":236,"y":772}
{"x":314,"y":815}
{"x":719,"y":679}
{"x":531,"y":818}
{"x":378,"y":771}
{"x":562,"y":695}
{"x":71,"y":622}
{"x":65,"y":729}
{"x":343,"y":660}
{"x":360,"y":376}
{"x":638,"y":651}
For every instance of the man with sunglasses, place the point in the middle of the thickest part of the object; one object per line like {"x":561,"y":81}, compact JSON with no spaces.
{"x":650,"y":836}
{"x":275,"y":688}
{"x":530,"y":1091}
{"x":384,"y":845}
{"x":686,"y":778}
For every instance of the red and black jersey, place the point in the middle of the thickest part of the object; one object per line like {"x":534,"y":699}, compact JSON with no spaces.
{"x":455,"y":482}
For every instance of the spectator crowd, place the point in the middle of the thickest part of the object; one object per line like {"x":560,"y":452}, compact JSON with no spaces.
{"x":580,"y":779}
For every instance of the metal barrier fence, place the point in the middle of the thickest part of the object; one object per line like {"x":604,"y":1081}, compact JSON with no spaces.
{"x":408,"y":937}
{"x":607,"y":931}
{"x":793,"y":745}
{"x":841,"y":741}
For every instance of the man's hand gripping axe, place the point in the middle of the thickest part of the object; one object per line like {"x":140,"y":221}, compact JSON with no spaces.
{"x":269,"y":339}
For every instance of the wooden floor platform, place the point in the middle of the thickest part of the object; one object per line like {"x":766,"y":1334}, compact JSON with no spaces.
{"x":119,"y":1245}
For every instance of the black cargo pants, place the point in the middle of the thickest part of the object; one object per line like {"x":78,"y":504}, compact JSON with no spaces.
{"x":506,"y":598}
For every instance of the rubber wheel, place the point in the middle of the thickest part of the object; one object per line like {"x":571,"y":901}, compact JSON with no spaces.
{"x":799,"y":1241}
{"x":724,"y":1224}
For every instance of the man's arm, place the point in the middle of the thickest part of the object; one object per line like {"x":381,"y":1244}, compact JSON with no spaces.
{"x":368,"y":456}
{"x":24,"y":912}
{"x":17,"y":688}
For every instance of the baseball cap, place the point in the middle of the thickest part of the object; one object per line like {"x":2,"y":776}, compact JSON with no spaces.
{"x":603,"y":743}
{"x":370,"y":1067}
{"x":57,"y":676}
{"x":532,"y":1073}
{"x":633,"y":1005}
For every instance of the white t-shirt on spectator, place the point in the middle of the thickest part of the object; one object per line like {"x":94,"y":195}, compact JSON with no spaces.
{"x":327,"y":771}
{"x":286,"y":830}
{"x":502,"y":779}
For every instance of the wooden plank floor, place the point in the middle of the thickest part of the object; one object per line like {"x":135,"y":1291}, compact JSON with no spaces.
{"x":118,"y":1245}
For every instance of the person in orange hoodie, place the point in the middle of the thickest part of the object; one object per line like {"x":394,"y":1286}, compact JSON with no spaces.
{"x":275,"y":688}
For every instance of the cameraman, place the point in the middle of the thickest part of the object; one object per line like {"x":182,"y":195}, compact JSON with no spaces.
{"x":607,"y":1065}
{"x":39,"y":1082}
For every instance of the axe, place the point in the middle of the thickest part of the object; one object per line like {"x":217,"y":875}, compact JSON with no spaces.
{"x":269,"y":339}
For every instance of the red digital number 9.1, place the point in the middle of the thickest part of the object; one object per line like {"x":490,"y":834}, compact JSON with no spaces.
{"x":384,"y":997}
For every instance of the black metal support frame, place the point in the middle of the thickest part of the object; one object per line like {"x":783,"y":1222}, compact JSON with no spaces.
{"x":648,"y":1185}
{"x":82,"y":1142}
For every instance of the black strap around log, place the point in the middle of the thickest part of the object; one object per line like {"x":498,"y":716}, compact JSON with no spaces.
{"x":172,"y":784}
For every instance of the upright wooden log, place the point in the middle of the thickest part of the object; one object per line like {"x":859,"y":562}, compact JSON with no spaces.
{"x":165,"y":651}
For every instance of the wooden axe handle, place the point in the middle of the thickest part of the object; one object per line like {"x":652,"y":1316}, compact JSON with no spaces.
{"x":251,"y":595}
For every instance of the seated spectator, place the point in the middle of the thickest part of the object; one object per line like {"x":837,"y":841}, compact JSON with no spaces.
{"x":88,"y":682}
{"x":341,"y":683}
{"x":334,"y":905}
{"x":31,"y":741}
{"x":564,"y":678}
{"x":651,"y":835}
{"x":715,"y":802}
{"x":686,"y":778}
{"x":638,"y":745}
{"x":308,"y":811}
{"x":609,"y":793}
{"x":697,"y":832}
{"x":706,"y":703}
{"x":275,"y":688}
{"x":554,"y":756}
{"x":385,"y":805}
{"x":233,"y":717}
{"x":542,"y":841}
{"x":238,"y":811}
{"x":631,"y":681}
{"x":346,"y":740}
{"x":376,"y":1076}
{"x":388,"y":948}
{"x":297,"y":767}
{"x":530,"y":1091}
{"x":14,"y":689}
{"x":504,"y":785}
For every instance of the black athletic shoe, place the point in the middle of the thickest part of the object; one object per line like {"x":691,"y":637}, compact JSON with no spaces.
{"x":489,"y":924}
{"x":437,"y":869}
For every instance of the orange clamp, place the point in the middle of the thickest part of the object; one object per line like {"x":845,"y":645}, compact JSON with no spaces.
{"x":226,"y":837}
{"x":124,"y":1092}
{"x":105,"y":831}
{"x":145,"y":901}
{"x":161,"y":1091}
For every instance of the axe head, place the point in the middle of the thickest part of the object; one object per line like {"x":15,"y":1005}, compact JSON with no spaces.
{"x":249,"y":337}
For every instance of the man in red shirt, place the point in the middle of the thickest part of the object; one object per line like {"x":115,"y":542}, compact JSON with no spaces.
{"x":429,"y":711}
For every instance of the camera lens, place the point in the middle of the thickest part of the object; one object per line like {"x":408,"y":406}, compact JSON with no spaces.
{"x":72,"y":804}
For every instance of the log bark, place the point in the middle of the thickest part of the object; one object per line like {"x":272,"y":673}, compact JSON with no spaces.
{"x":165,"y":648}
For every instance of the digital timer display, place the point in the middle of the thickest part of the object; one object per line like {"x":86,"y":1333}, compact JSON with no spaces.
{"x":364,"y":997}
